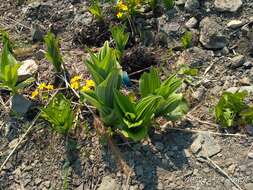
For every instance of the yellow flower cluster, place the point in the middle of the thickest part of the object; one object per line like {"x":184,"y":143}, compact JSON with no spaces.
{"x":75,"y":83}
{"x":88,"y":85}
{"x":121,"y":7}
{"x":42,"y":87}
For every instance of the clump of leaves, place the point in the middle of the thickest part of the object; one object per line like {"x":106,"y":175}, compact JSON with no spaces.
{"x":8,"y":67}
{"x":172,"y":104}
{"x":231,"y":108}
{"x":101,"y":64}
{"x":96,"y":10}
{"x":186,"y":70}
{"x":59,"y":113}
{"x":135,"y":118}
{"x":186,"y":40}
{"x":53,"y":53}
{"x":120,"y":37}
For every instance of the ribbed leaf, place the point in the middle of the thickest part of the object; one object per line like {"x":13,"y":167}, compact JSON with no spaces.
{"x":147,"y":107}
{"x":124,"y":103}
{"x":149,"y":82}
{"x":105,"y":90}
{"x":137,"y":134}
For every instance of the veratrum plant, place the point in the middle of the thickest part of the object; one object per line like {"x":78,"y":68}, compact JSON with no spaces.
{"x":100,"y":65}
{"x":230,"y":107}
{"x":135,"y":118}
{"x":8,"y":68}
{"x":59,"y":113}
{"x":103,"y":97}
{"x":53,"y":54}
{"x":120,"y":37}
{"x":96,"y":10}
{"x":172,"y":105}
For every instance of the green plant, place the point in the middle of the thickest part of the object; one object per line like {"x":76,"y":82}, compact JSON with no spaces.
{"x":168,"y":4}
{"x":247,"y":116}
{"x":230,"y":108}
{"x":154,"y":4}
{"x":186,"y":39}
{"x":100,"y":65}
{"x":59,"y":113}
{"x":8,"y":69}
{"x":186,"y":70}
{"x":135,"y":118}
{"x":172,"y":104}
{"x":120,"y":37}
{"x":96,"y":10}
{"x":53,"y":54}
{"x":102,"y":97}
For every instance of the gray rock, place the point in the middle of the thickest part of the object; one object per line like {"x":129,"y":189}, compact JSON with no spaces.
{"x":37,"y":33}
{"x":191,"y":23}
{"x":83,"y":19}
{"x":109,"y":183}
{"x":210,"y":34}
{"x":235,"y":24}
{"x":180,"y":2}
{"x":250,"y":155}
{"x":227,"y":5}
{"x":27,"y":69}
{"x":249,"y":89}
{"x":249,"y":186}
{"x":231,"y":168}
{"x":191,"y":5}
{"x":197,"y":144}
{"x":238,"y":61}
{"x":199,"y":93}
{"x":159,"y":146}
{"x":205,"y":146}
{"x":20,"y":105}
{"x":209,"y":147}
{"x":38,"y":10}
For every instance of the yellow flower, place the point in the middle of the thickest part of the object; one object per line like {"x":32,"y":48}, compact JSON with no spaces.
{"x":76,"y":78}
{"x":119,"y":15}
{"x":90,"y":83}
{"x":75,"y":82}
{"x":49,"y":87}
{"x":75,"y":85}
{"x":121,"y":6}
{"x":42,"y":86}
{"x":35,"y":93}
{"x":85,"y":88}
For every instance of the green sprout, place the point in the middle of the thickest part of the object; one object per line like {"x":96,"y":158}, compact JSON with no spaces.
{"x":53,"y":53}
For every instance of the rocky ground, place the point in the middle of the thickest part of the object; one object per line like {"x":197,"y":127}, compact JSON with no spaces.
{"x":193,"y":156}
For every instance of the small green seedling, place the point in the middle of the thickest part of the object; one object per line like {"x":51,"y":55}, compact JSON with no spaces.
{"x":120,"y":37}
{"x":186,"y":40}
{"x":59,"y":113}
{"x":53,"y":53}
{"x":168,"y":4}
{"x":230,"y":108}
{"x":96,"y":10}
{"x":8,"y":67}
